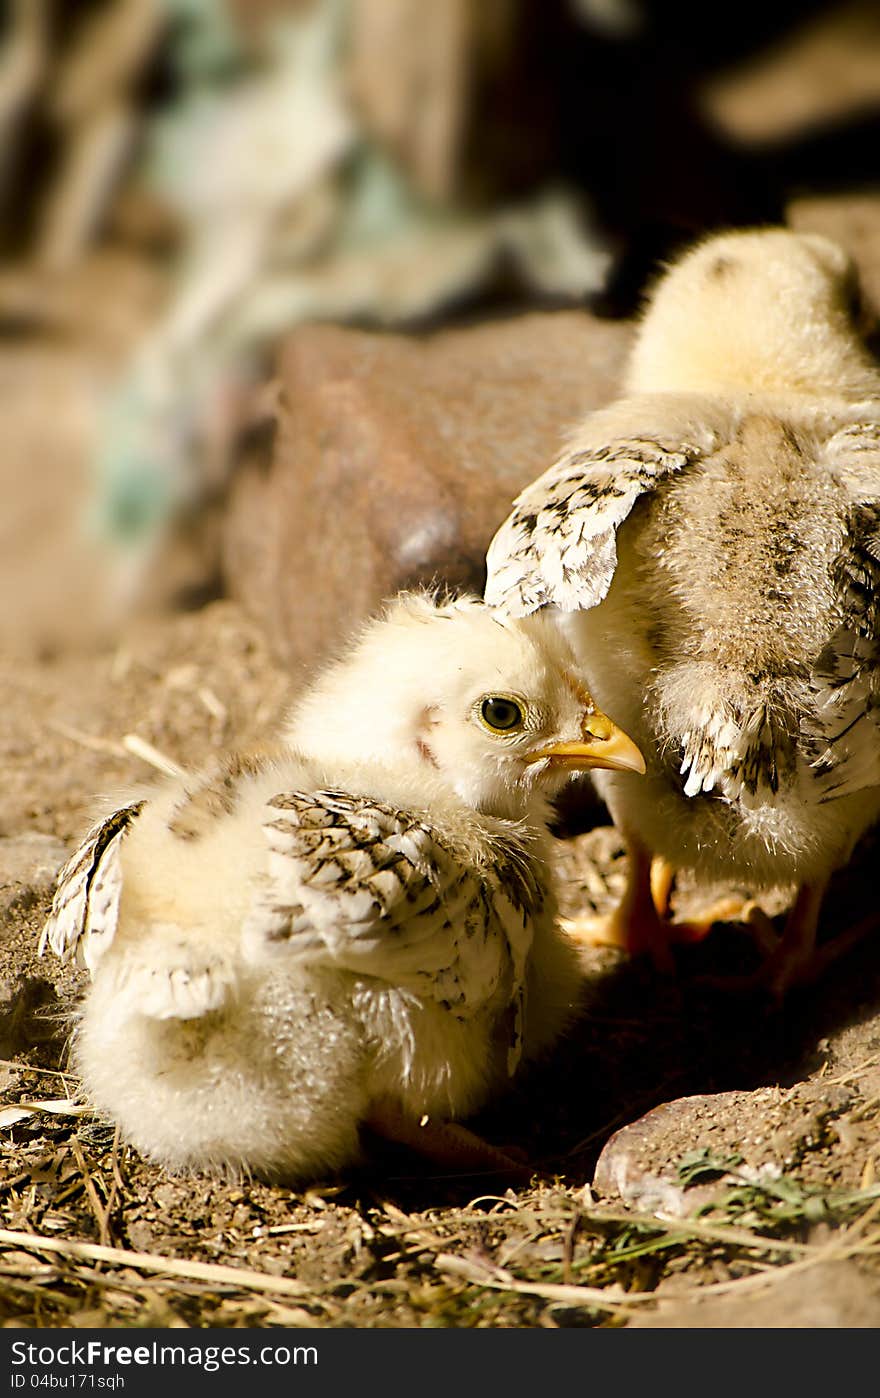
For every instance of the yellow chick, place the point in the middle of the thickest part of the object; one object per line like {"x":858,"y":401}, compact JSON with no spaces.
{"x":713,"y":539}
{"x":358,"y":930}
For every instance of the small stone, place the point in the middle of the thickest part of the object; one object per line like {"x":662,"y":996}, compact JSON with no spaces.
{"x":639,"y":1163}
{"x":29,"y":864}
{"x":633,"y":1169}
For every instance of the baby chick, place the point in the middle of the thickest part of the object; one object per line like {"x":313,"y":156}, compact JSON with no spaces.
{"x":714,"y":538}
{"x":356,"y":930}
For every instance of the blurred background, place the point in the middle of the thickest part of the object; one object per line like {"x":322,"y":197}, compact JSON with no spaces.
{"x":188,"y":186}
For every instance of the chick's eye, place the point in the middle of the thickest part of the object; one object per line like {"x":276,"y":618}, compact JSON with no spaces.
{"x":501,"y":714}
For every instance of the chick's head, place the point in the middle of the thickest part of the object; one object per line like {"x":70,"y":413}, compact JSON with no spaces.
{"x":763,"y":309}
{"x":490,"y":706}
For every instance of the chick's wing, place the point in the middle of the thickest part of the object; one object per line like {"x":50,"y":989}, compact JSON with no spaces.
{"x":85,"y":907}
{"x":356,"y":883}
{"x":558,"y":545}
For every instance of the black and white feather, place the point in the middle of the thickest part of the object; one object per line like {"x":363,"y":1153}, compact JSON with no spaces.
{"x":354,"y":883}
{"x":559,"y":545}
{"x":85,"y":907}
{"x":348,"y":882}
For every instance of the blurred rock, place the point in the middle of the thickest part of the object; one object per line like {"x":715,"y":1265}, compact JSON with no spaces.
{"x":822,"y":72}
{"x":396,"y":459}
{"x":827,"y":1296}
{"x":448,"y":428}
{"x":853,"y":220}
{"x":464,"y":95}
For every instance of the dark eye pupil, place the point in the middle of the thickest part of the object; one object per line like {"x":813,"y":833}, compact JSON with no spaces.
{"x":501,"y":713}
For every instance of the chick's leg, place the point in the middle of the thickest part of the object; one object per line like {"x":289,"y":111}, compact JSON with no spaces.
{"x":793,"y":959}
{"x":445,"y":1143}
{"x":641,"y":922}
{"x":635,"y":925}
{"x":730,"y":907}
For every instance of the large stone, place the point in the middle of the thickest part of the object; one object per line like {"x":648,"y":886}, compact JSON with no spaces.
{"x":397,"y":457}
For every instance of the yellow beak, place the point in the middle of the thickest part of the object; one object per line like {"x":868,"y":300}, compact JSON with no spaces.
{"x":603,"y":745}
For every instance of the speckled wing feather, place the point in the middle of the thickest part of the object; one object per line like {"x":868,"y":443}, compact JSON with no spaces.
{"x":86,"y":902}
{"x":358,"y":884}
{"x":843,"y":735}
{"x":558,"y":545}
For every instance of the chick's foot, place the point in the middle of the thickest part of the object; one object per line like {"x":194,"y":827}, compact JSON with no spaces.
{"x":793,"y":959}
{"x":642,"y":924}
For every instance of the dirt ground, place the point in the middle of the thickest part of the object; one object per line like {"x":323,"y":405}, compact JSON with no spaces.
{"x":698,"y":1158}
